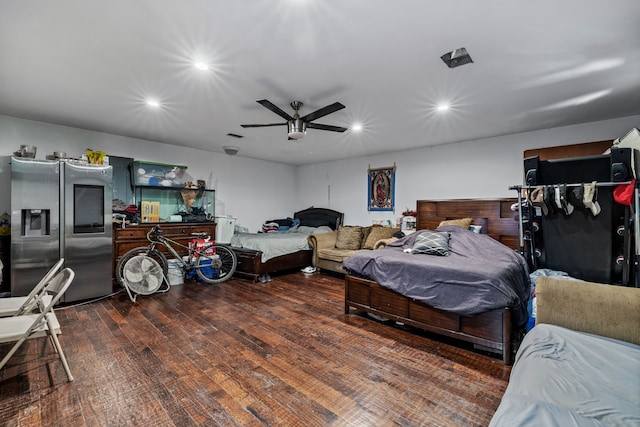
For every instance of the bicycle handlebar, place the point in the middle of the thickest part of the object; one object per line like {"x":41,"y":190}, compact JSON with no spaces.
{"x":153,"y":234}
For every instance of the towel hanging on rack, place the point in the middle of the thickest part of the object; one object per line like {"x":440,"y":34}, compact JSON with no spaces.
{"x":537,"y":200}
{"x":576,"y":196}
{"x":590,"y":198}
{"x":566,"y":206}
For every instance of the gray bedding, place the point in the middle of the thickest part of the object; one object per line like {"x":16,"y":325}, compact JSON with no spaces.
{"x":565,"y":378}
{"x":277,"y":244}
{"x":478,"y":275}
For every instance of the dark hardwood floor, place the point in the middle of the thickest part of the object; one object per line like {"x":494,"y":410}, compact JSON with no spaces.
{"x":243,"y":353}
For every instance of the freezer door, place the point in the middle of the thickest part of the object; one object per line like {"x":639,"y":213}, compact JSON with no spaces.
{"x":86,"y":241}
{"x":35,"y":229}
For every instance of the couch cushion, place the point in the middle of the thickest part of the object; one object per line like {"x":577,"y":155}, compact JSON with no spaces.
{"x":377,"y":233}
{"x":594,"y":308}
{"x":349,"y":237}
{"x":333,"y":254}
{"x":366,"y":231}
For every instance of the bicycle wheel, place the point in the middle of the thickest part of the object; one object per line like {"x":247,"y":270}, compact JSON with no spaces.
{"x":215,"y":264}
{"x":143,"y":250}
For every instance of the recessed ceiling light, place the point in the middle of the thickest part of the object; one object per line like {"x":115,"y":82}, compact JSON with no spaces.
{"x":357,"y":127}
{"x":443,"y":107}
{"x":201,"y":66}
{"x":153,"y":103}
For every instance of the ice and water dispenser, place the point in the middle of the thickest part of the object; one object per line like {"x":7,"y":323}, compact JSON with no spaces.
{"x":36,"y":222}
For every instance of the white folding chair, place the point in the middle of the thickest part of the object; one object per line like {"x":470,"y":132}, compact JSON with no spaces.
{"x":18,"y":329}
{"x":15,"y":306}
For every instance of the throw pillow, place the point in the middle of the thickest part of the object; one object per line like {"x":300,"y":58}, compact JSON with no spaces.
{"x":366,"y":231}
{"x":349,"y":237}
{"x":463,"y":222}
{"x":377,"y":233}
{"x":431,"y":243}
{"x":476,"y":229}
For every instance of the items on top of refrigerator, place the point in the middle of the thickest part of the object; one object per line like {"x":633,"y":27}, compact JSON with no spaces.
{"x":95,"y":157}
{"x":57,"y":155}
{"x":28,"y":151}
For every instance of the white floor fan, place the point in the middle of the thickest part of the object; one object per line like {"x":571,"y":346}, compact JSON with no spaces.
{"x":143,"y":275}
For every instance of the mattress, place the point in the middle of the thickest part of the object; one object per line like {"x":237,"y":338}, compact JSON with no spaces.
{"x":566,"y":378}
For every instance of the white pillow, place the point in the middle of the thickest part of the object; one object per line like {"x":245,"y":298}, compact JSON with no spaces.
{"x":476,"y":228}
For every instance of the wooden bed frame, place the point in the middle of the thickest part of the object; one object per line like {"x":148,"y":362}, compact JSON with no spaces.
{"x":491,"y":330}
{"x":250,"y":261}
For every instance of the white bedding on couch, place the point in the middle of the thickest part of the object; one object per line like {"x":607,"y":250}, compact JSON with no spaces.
{"x":566,"y":378}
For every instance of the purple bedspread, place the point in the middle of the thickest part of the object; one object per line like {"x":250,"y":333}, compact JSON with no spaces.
{"x":478,"y":275}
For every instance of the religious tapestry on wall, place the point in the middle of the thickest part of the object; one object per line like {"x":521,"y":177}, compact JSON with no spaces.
{"x":382,"y":188}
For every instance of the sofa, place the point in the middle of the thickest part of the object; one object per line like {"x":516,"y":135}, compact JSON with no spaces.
{"x":331,"y":249}
{"x":580,"y":364}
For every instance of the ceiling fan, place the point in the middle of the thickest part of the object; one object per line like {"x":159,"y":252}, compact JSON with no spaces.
{"x":297,"y":126}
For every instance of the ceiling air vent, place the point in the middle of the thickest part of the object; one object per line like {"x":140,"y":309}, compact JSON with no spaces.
{"x":457,"y":57}
{"x":235,"y":135}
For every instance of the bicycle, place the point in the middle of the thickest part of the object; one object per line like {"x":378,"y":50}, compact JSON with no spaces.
{"x":144,"y":269}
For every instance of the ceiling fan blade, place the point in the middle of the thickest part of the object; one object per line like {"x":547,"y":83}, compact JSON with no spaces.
{"x":271,"y":106}
{"x":323,"y":112}
{"x":263,"y":125}
{"x":326,"y":127}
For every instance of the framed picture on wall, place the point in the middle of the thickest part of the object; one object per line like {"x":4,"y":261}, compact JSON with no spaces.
{"x":381,"y":188}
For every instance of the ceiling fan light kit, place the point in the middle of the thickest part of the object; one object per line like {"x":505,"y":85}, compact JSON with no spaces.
{"x":297,"y":129}
{"x":296,"y":125}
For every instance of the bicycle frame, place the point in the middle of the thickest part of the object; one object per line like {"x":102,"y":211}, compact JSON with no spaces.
{"x":168,"y":243}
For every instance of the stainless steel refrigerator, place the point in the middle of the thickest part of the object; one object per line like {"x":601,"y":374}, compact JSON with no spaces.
{"x":61,"y":208}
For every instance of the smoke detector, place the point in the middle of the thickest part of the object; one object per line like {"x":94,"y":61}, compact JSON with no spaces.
{"x":457,"y":57}
{"x":232,"y":151}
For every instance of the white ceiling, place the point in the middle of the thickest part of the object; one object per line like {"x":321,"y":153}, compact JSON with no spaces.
{"x":537,"y":64}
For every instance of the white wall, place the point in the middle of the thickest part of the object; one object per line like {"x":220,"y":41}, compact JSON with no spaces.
{"x":475,"y":169}
{"x":255,"y":190}
{"x":252,"y":190}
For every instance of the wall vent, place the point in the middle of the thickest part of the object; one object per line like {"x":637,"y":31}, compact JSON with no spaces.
{"x":457,"y":57}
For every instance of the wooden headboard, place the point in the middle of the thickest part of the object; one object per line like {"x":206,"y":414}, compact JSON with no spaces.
{"x":494,"y":215}
{"x":315,"y":217}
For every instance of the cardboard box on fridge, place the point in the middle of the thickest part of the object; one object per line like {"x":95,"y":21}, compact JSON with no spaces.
{"x":150,"y":211}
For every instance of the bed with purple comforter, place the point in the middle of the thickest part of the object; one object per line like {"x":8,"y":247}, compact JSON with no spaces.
{"x":478,"y":293}
{"x":479,"y":274}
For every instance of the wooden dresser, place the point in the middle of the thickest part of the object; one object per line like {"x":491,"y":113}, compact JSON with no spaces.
{"x":133,"y":236}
